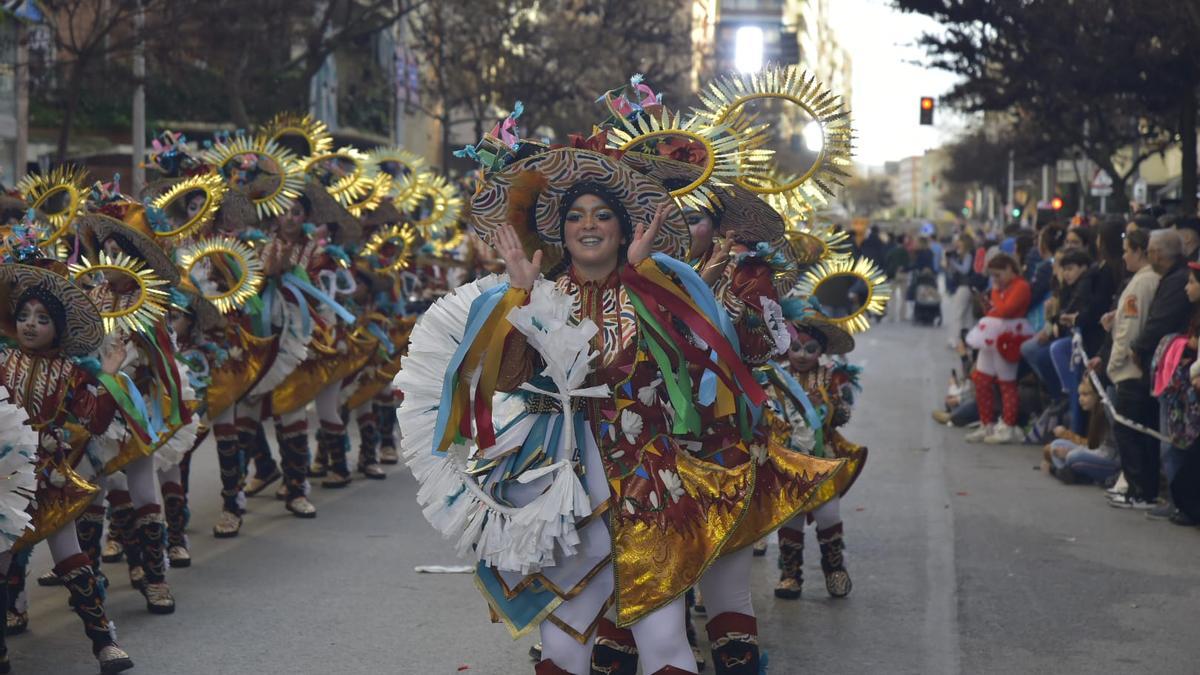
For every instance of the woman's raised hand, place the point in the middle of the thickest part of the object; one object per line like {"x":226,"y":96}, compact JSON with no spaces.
{"x":643,"y":238}
{"x":522,"y":271}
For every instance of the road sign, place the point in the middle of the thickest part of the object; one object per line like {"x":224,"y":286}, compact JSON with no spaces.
{"x":1101,"y":184}
{"x":1141,"y":191}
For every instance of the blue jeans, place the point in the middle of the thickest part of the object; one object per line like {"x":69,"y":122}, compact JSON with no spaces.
{"x":1038,"y":358}
{"x":1085,"y":462}
{"x":1069,"y":375}
{"x":1171,"y":457}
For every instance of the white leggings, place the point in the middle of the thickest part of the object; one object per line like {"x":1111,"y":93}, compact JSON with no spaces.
{"x":328,"y":410}
{"x":660,"y":636}
{"x":726,"y":585}
{"x":64,"y":543}
{"x":143,"y":489}
{"x":989,"y":362}
{"x":826,"y":516}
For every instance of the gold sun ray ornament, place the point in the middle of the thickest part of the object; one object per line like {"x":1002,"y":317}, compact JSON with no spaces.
{"x":228,"y":260}
{"x":445,"y":205}
{"x":725,"y":103}
{"x":394,"y":161}
{"x":402,"y":239}
{"x":142,"y":314}
{"x":58,"y":196}
{"x":377,"y":187}
{"x":344,"y":173}
{"x":835,"y":277}
{"x":407,"y":191}
{"x":304,"y":135}
{"x":270,"y":173}
{"x":174,"y":203}
{"x":722,"y":153}
{"x":812,"y":244}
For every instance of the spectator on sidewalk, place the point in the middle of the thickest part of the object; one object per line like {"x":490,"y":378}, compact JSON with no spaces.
{"x":997,"y":337}
{"x":1133,"y":401}
{"x":1188,"y":228}
{"x":1075,"y":312}
{"x":960,"y":312}
{"x":1170,"y":314}
{"x":897,"y":273}
{"x":1076,"y":459}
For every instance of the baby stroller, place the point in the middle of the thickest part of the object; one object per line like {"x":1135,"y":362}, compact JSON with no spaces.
{"x":927,"y":301}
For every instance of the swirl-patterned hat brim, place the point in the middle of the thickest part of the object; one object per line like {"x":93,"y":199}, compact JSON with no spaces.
{"x":84,"y":329}
{"x":205,"y":315}
{"x":237,"y":209}
{"x":528,"y":193}
{"x":752,"y":219}
{"x":838,"y":340}
{"x":98,"y":227}
{"x":384,"y":214}
{"x":158,"y":187}
{"x":326,"y":209}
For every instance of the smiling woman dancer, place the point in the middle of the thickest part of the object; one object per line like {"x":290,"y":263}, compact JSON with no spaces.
{"x":571,"y":514}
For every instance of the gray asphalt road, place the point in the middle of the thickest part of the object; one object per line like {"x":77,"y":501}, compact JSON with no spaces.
{"x":964,"y":559}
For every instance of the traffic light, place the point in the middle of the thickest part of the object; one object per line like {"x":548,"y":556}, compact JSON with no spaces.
{"x":927,"y":110}
{"x":1056,"y":203}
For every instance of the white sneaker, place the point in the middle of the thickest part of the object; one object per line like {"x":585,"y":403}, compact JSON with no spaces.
{"x":1002,"y":434}
{"x":1120,"y":487}
{"x":1127,"y":502}
{"x":977,"y":436}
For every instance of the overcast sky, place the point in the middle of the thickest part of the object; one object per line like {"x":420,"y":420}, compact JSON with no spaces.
{"x":887,"y":87}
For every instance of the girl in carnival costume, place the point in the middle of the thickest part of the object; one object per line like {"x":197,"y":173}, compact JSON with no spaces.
{"x":812,"y":398}
{"x":49,"y":328}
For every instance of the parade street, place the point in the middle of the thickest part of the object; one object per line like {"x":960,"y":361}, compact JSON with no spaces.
{"x":964,"y":559}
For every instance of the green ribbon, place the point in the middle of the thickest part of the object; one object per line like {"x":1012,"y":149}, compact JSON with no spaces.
{"x":678,"y":381}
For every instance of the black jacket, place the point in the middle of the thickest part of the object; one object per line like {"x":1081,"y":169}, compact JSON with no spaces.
{"x":1170,"y":312}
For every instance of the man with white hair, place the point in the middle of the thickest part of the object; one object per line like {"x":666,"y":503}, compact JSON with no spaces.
{"x":1169,"y":313}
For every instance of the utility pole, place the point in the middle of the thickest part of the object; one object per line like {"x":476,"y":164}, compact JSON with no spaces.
{"x":1011,"y":171}
{"x":139,"y":102}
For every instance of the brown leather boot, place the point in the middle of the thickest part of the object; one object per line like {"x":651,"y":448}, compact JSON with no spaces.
{"x":833,"y":563}
{"x":615,"y":652}
{"x":734,"y":641}
{"x":791,"y":564}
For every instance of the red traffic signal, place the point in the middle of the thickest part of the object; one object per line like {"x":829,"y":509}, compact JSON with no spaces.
{"x":926,"y":110}
{"x":1056,"y":203}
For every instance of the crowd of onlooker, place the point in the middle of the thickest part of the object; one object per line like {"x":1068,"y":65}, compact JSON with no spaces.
{"x":1081,"y":338}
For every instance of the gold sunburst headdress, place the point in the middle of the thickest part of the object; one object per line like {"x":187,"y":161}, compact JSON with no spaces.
{"x":402,"y":240}
{"x":378,"y":187}
{"x":726,"y":102}
{"x":445,"y":205}
{"x":238,"y":265}
{"x":268,"y":172}
{"x":143,"y":313}
{"x":344,"y":173}
{"x":174,"y":206}
{"x":58,"y":196}
{"x":722,"y":153}
{"x":395,"y":161}
{"x":835,"y":277}
{"x":407,"y":190}
{"x":303,"y":135}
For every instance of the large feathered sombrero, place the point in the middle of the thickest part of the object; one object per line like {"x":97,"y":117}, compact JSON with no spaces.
{"x":528,"y":193}
{"x":740,"y":209}
{"x":83,"y":329}
{"x":326,"y":209}
{"x":97,"y":227}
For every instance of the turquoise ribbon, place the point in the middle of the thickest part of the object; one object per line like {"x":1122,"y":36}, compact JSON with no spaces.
{"x":317,"y":294}
{"x":481,"y":308}
{"x":140,"y":404}
{"x":381,"y":335}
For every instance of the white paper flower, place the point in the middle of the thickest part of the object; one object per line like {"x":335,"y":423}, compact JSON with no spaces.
{"x":649,"y":393}
{"x":759,"y":452}
{"x":631,"y":425}
{"x":57,"y":479}
{"x":803,"y":436}
{"x":776,"y":324}
{"x":235,"y":353}
{"x":629,"y":507}
{"x":654,"y":500}
{"x":672,"y":483}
